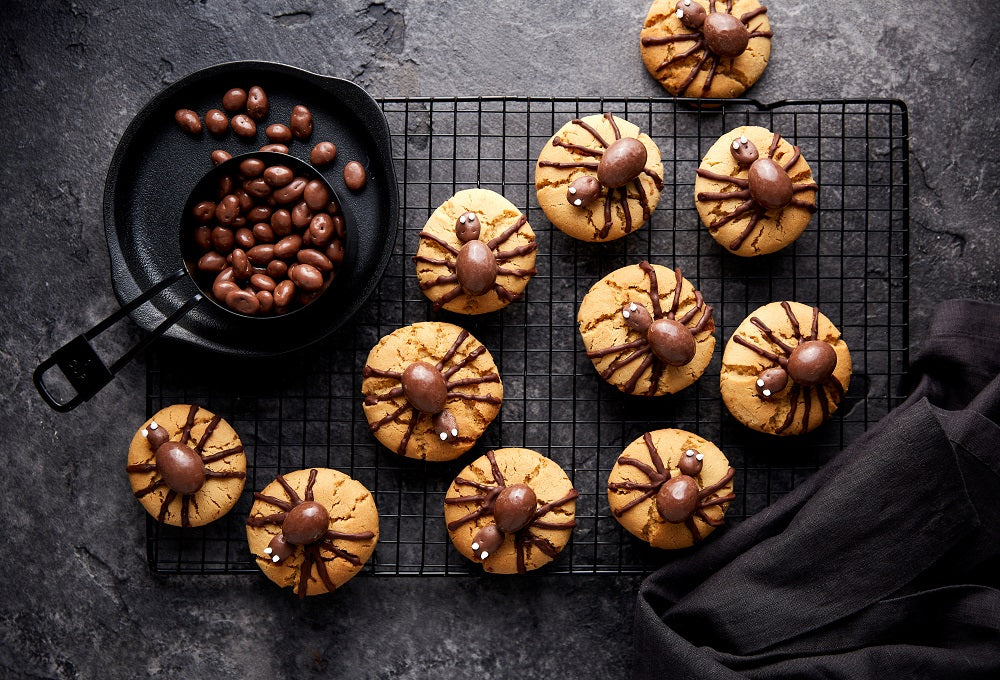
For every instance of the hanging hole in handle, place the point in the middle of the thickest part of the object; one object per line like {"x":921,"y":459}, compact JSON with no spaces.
{"x":80,"y":370}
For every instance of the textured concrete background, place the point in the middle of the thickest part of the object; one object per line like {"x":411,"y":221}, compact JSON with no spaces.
{"x":77,"y":599}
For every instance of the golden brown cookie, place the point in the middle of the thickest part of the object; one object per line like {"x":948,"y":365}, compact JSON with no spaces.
{"x":476,"y":253}
{"x":647,"y":330}
{"x":785,"y":369}
{"x":599,"y":178}
{"x":670,"y":488}
{"x":701,"y":48}
{"x":312,"y":530}
{"x":431,"y":389}
{"x":754,"y":191}
{"x":512,"y":510}
{"x":186,"y":466}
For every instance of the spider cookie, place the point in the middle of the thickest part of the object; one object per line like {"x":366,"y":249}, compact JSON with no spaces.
{"x":476,"y":253}
{"x":186,"y":466}
{"x":647,"y":330}
{"x":785,"y":370}
{"x":599,"y":178}
{"x":312,"y":530}
{"x":431,"y":389}
{"x":754,"y":191}
{"x":696,"y":48}
{"x":512,"y":510}
{"x":670,"y":488}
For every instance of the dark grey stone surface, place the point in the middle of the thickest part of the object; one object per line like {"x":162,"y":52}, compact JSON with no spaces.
{"x":77,"y":599}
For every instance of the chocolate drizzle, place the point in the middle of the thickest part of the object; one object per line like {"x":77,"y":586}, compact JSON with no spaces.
{"x":659,"y":475}
{"x":312,"y":555}
{"x":186,"y":499}
{"x":457,"y":267}
{"x":831,"y":382}
{"x":705,"y":37}
{"x":487,"y":501}
{"x":756,"y":196}
{"x":610,"y":195}
{"x":642,"y":347}
{"x":446,"y":371}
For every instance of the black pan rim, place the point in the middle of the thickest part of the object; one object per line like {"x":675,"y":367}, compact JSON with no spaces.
{"x":122,"y":280}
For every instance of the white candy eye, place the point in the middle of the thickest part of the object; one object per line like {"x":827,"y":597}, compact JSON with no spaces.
{"x":572,"y":190}
{"x":633,"y":307}
{"x":483,"y":555}
{"x":689,"y":453}
{"x":475,"y":546}
{"x":145,"y":432}
{"x":275,"y":559}
{"x":625,"y":313}
{"x":766,"y":393}
{"x":760,"y":382}
{"x":462,"y":219}
{"x":736,"y":144}
{"x":577,"y":202}
{"x":444,"y":436}
{"x":454,"y":432}
{"x":700,"y":456}
{"x":267,"y":551}
{"x":743,"y":139}
{"x":680,"y":13}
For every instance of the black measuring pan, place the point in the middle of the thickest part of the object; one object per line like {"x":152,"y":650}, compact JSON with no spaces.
{"x":150,"y":181}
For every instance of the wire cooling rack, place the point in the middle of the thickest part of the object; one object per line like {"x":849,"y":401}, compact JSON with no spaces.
{"x":305,"y":409}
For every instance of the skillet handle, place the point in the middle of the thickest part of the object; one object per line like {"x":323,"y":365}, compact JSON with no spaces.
{"x":84,"y":368}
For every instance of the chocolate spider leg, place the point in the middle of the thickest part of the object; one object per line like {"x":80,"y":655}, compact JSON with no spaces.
{"x":485,"y":398}
{"x":212,"y":424}
{"x":439,"y":281}
{"x":440,"y":241}
{"x":775,"y":141}
{"x":495,"y":468}
{"x":796,"y":154}
{"x":572,"y":495}
{"x":657,"y":180}
{"x":709,"y":490}
{"x":458,"y":500}
{"x":681,"y":55}
{"x":694,"y":73}
{"x":593,"y":133}
{"x":188,"y":424}
{"x":635,"y":501}
{"x":699,"y":300}
{"x":372,"y":399}
{"x":811,"y":207}
{"x":792,"y":320}
{"x":626,"y":211}
{"x":703,"y":516}
{"x":586,"y":165}
{"x":459,"y":481}
{"x":341,"y":553}
{"x":447,"y":297}
{"x":434,"y":260}
{"x":369,"y":372}
{"x":650,"y":472}
{"x":633,"y":486}
{"x":824,"y":404}
{"x":324,"y":575}
{"x":332,"y":535}
{"x":833,"y":382}
{"x":614,"y":126}
{"x":654,"y":455}
{"x":752,"y":13}
{"x":293,"y":497}
{"x":711,"y":75}
{"x":737,"y":242}
{"x":503,"y":256}
{"x":807,"y":401}
{"x":624,"y":361}
{"x":706,"y":317}
{"x":276,"y":518}
{"x":693,"y":528}
{"x":507,"y":233}
{"x":539,"y":524}
{"x":617,"y":348}
{"x":654,"y":289}
{"x":542,"y":544}
{"x":505,"y":294}
{"x":185,"y":511}
{"x":666,"y":39}
{"x":225,"y":474}
{"x":629,"y":386}
{"x":167,"y":500}
{"x":793,"y":398}
{"x":738,"y":181}
{"x":606,"y":229}
{"x":811,"y":186}
{"x":277,"y":502}
{"x":741,"y":209}
{"x":310,"y":484}
{"x":769,"y":334}
{"x":517,"y":271}
{"x":141,"y":467}
{"x":519,"y":551}
{"x":485,"y":509}
{"x":654,"y":378}
{"x":740,"y":340}
{"x":678,"y":282}
{"x":723,"y":195}
{"x":453,"y":350}
{"x":305,"y":572}
{"x":492,"y":377}
{"x":222,"y":454}
{"x":585,"y":150}
{"x":716,"y":501}
{"x":459,"y":365}
{"x":761,"y":34}
{"x":643,"y":201}
{"x":405,"y":441}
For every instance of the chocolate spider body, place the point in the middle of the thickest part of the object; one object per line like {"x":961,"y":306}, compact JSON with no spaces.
{"x":514,"y":509}
{"x":679,"y":498}
{"x":767,"y":186}
{"x":477,"y":264}
{"x":808,"y":364}
{"x":304,"y":523}
{"x":621,"y":162}
{"x":427,"y":389}
{"x":664,"y":339}
{"x":182,"y":468}
{"x":717,"y":35}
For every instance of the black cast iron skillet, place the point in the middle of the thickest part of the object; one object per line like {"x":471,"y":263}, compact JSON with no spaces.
{"x":152,"y":173}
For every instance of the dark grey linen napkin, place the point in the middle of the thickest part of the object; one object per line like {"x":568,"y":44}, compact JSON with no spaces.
{"x":885,"y":563}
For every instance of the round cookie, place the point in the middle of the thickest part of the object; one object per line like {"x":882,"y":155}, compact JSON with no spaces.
{"x":186,"y":466}
{"x":670,"y":488}
{"x":785,"y":369}
{"x":431,"y":389}
{"x":512,"y":510}
{"x":696,"y":48}
{"x":599,"y":178}
{"x":647,"y":330}
{"x":312,"y":530}
{"x":476,"y":253}
{"x":754,"y":191}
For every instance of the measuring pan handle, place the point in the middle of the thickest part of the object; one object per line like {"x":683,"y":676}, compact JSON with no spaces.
{"x":82,"y":366}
